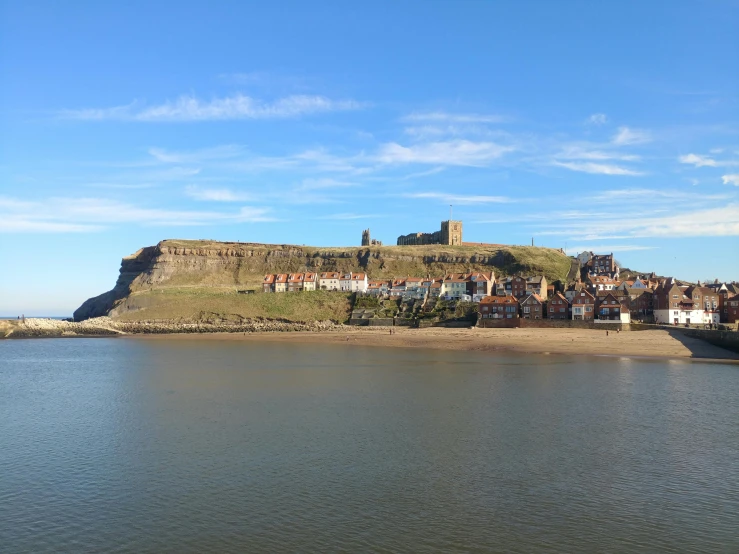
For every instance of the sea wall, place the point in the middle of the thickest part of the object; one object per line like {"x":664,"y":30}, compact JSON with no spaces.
{"x":724,"y":339}
{"x":550,"y":324}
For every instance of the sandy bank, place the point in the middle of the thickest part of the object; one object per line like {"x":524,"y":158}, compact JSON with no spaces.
{"x":653,"y":343}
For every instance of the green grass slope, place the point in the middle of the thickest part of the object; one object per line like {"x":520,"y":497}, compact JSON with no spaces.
{"x":208,"y":304}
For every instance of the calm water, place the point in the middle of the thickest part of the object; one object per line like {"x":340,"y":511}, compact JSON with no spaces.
{"x":193,"y":446}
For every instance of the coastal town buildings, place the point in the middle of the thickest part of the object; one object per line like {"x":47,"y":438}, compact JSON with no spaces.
{"x":640,"y":302}
{"x":329,"y":281}
{"x":583,"y":306}
{"x":532,"y":306}
{"x":295,"y":282}
{"x":353,"y":282}
{"x":537,"y":284}
{"x":454,"y":286}
{"x":602,"y":264}
{"x":310,"y":281}
{"x":610,"y":308}
{"x":732,"y":309}
{"x":268,"y":285}
{"x":601,"y":282}
{"x":558,"y":307}
{"x":676,"y":304}
{"x":281,"y":282}
{"x":600,"y":298}
{"x":499,"y":307}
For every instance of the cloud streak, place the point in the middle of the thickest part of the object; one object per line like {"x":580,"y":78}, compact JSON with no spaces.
{"x":217,"y":195}
{"x":597,"y":168}
{"x":697,"y":161}
{"x":64,"y":215}
{"x":458,"y":198}
{"x":626,"y":136}
{"x":236,"y":107}
{"x":456,"y":152}
{"x":445,"y":117}
{"x":597,"y":119}
{"x":711,"y":222}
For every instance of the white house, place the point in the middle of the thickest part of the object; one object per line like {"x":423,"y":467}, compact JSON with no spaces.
{"x":353,"y":282}
{"x":329,"y":281}
{"x":309,"y":281}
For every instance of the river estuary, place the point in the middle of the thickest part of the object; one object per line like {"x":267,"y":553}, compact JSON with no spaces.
{"x":129,"y":445}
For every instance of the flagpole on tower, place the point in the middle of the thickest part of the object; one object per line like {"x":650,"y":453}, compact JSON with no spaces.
{"x":450,"y":212}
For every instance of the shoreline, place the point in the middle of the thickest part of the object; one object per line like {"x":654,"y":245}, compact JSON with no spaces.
{"x":655,"y":343}
{"x":651,"y":344}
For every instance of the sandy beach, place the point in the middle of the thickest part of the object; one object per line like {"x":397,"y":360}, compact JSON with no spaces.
{"x":653,"y":343}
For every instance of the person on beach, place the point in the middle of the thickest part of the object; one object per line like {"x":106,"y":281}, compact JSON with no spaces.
{"x":606,"y":333}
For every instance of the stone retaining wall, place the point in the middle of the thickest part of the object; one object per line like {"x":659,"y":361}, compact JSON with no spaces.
{"x":724,"y":339}
{"x":550,"y":324}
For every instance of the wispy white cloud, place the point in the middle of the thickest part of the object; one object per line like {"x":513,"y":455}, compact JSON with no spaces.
{"x":325,"y":183}
{"x":122,"y":186}
{"x":62,"y":215}
{"x":608,"y":248}
{"x":350,"y":216}
{"x":458,"y":198}
{"x":238,"y":106}
{"x":457,"y":152}
{"x":597,"y":119}
{"x":705,"y":161}
{"x":197,"y":156}
{"x":446,"y":117}
{"x":732,"y":179}
{"x":596,"y":168}
{"x":626,"y":136}
{"x":639,"y":195}
{"x":697,"y":160}
{"x":420,"y":174}
{"x":576,"y":152}
{"x":437,"y":130}
{"x":710,"y":222}
{"x":217,"y":194}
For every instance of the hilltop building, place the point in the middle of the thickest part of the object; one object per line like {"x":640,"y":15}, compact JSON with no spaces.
{"x":450,"y":233}
{"x":368,"y":241}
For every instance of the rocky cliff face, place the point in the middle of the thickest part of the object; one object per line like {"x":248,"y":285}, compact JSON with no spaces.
{"x":242,"y":265}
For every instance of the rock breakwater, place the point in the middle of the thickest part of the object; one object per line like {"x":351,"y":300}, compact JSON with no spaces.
{"x":106,"y":326}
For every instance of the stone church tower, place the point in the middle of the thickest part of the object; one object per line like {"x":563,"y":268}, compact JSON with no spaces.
{"x":366,"y":237}
{"x":451,"y":232}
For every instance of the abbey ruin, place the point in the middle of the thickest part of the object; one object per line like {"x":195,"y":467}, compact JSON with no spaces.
{"x":450,"y":233}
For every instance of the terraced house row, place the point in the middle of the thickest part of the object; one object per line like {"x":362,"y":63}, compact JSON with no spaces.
{"x":297,"y":282}
{"x":600,"y":297}
{"x":583,"y":307}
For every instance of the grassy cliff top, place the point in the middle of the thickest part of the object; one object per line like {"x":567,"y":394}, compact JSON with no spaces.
{"x":399,"y":261}
{"x":465,"y":249}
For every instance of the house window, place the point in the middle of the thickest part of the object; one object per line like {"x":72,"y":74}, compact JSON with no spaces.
{"x":588,"y":308}
{"x":561,"y":310}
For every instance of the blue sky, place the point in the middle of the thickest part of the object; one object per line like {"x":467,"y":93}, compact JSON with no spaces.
{"x":585,"y":125}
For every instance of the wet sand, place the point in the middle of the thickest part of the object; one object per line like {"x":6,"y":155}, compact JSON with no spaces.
{"x":652,"y":343}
